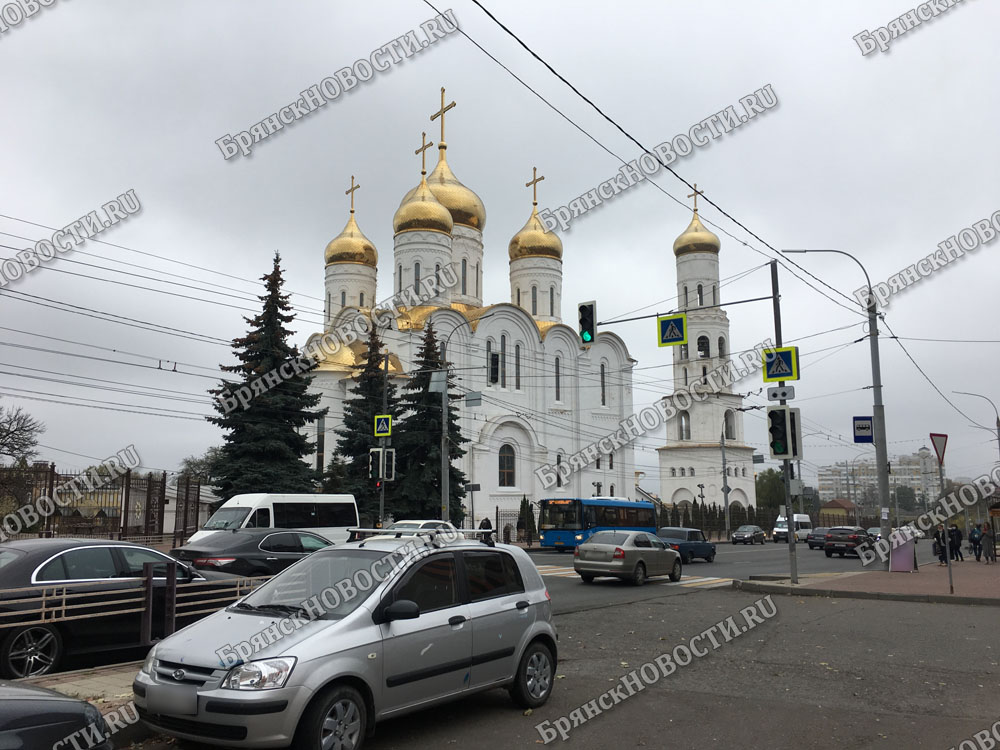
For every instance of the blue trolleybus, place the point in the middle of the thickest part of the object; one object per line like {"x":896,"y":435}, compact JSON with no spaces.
{"x":565,"y":523}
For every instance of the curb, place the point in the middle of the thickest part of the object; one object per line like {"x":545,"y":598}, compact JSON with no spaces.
{"x":774,"y":588}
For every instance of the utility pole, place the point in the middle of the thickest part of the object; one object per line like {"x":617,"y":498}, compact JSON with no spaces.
{"x":383,"y":442}
{"x":725,"y":479}
{"x":786,"y":464}
{"x":445,"y":473}
{"x":947,"y":538}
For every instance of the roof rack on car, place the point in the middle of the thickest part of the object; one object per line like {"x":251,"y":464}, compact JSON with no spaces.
{"x":430,"y":535}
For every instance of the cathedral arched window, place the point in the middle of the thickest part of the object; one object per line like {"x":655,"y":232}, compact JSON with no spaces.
{"x":477,"y":279}
{"x":489,"y":362}
{"x":437,"y":277}
{"x":685,"y":296}
{"x":685,"y":376}
{"x":558,"y":384}
{"x":399,"y":282}
{"x":611,"y":460}
{"x":704,"y":375}
{"x":416,"y":277}
{"x":704,"y":347}
{"x":673,"y":471}
{"x":465,"y":274}
{"x":691,"y":471}
{"x":683,"y":354}
{"x":503,"y":361}
{"x":506,"y":465}
{"x":517,"y":366}
{"x":519,"y":296}
{"x":558,"y":475}
{"x":611,"y":490}
{"x":682,"y":471}
{"x":343,"y":299}
{"x":722,"y":346}
{"x":683,"y":428}
{"x":552,"y":301}
{"x":534,"y":300}
{"x":361,"y":299}
{"x":701,"y":296}
{"x":598,"y":464}
{"x":730,"y":424}
{"x":604,"y":396}
{"x":744,"y":471}
{"x":715,"y":295}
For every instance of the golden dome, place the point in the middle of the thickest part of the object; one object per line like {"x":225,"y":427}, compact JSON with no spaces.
{"x":696,"y":239}
{"x":351,"y":246}
{"x":534,"y":240}
{"x":421,"y":210}
{"x":465,"y":206}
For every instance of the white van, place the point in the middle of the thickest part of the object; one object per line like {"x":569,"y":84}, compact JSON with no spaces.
{"x":329,"y":516}
{"x":803,"y":525}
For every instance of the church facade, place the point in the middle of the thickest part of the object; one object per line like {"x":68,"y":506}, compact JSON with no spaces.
{"x":546,"y":395}
{"x":691,"y":466}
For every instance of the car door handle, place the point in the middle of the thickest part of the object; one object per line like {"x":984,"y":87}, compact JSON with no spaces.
{"x":522,"y":604}
{"x":271,"y":559}
{"x":456,"y":620}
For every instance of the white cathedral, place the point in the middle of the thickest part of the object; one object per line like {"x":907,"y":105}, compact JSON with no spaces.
{"x":553,"y":395}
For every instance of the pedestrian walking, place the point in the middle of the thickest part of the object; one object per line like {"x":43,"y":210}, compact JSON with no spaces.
{"x":955,"y":540}
{"x":940,"y":535}
{"x":976,"y":540}
{"x":989,"y":543}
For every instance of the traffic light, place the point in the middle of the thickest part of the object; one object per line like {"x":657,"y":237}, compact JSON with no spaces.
{"x":588,"y":321}
{"x":778,"y":429}
{"x":389,"y":465}
{"x":375,"y":463}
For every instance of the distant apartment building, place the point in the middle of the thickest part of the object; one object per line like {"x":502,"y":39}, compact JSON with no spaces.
{"x":857,"y":480}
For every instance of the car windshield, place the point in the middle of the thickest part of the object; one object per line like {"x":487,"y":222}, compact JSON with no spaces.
{"x":745,"y":528}
{"x":227,"y":518}
{"x":874,"y":530}
{"x":319,"y":575}
{"x":560,"y":514}
{"x":405,"y":525}
{"x":609,"y":537}
{"x":781,"y":525}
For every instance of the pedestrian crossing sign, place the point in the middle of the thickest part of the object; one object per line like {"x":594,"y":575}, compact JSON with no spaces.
{"x":383,"y":425}
{"x":671,"y":330}
{"x":781,"y":364}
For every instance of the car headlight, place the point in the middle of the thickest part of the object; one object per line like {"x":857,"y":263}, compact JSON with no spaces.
{"x":265,"y":674}
{"x":579,"y":537}
{"x":149,"y":666}
{"x":541,"y":536}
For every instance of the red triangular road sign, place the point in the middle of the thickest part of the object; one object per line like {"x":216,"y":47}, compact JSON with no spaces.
{"x":940,"y":441}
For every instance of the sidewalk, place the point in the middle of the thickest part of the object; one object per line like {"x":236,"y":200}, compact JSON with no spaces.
{"x":975,"y":583}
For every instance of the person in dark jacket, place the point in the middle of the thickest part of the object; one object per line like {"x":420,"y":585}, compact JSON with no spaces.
{"x":989,"y":543}
{"x":976,"y":540}
{"x":955,"y":537}
{"x":940,"y":535}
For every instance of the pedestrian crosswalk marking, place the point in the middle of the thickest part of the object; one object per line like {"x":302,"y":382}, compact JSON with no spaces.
{"x":562,"y":571}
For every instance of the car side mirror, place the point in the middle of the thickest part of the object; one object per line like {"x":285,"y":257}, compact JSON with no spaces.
{"x":403,"y":609}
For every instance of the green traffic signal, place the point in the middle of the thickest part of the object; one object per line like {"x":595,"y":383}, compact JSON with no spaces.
{"x":588,"y":321}
{"x":585,"y":336}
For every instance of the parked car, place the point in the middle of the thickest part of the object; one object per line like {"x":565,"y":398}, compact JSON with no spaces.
{"x":749,"y":535}
{"x":817,"y":537}
{"x":690,"y":543}
{"x":844,"y":539}
{"x":33,"y":717}
{"x":875,"y":532}
{"x":629,"y":555}
{"x":100,"y":577}
{"x":436,"y":624}
{"x":250,"y":552}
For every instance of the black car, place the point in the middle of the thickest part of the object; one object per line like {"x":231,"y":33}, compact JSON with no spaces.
{"x":817,"y":537}
{"x":845,"y":539}
{"x":749,"y":535}
{"x":250,"y":552}
{"x":74,"y":596}
{"x":33,"y":717}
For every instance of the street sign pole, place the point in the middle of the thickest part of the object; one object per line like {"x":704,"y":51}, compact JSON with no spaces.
{"x":786,"y":464}
{"x":940,"y":441}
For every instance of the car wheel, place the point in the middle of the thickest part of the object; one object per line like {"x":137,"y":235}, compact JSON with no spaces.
{"x":31,"y":651}
{"x":828,"y":553}
{"x":710,"y":558}
{"x":337,"y":719}
{"x":639,"y":575}
{"x":533,"y":681}
{"x":675,"y":572}
{"x":587,"y":578}
{"x":688,"y":558}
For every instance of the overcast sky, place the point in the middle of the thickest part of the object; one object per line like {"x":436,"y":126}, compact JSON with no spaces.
{"x":883,"y":156}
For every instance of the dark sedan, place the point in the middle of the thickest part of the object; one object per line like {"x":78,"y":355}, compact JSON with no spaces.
{"x":250,"y":552}
{"x":749,"y":535}
{"x":74,"y":596}
{"x":817,"y":537}
{"x":33,"y":717}
{"x":845,"y":539}
{"x":690,"y":543}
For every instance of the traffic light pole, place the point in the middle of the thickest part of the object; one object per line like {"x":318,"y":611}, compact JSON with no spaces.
{"x":786,"y":464}
{"x":383,"y":441}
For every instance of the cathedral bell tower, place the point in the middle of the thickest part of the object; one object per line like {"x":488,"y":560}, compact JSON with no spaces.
{"x":536,"y":264}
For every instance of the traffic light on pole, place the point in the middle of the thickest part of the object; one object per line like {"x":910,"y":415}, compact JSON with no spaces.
{"x":375,"y":463}
{"x":778,"y":429}
{"x":389,"y":465}
{"x":588,"y":321}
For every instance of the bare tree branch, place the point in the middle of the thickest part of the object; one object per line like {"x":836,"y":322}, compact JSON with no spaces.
{"x":19,"y":433}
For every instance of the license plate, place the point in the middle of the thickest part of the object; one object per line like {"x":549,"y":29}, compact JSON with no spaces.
{"x":173,"y":700}
{"x":560,"y":542}
{"x":840,"y":545}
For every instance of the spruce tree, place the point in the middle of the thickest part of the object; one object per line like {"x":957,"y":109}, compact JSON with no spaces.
{"x":265,"y":444}
{"x":419,"y":441}
{"x":356,"y":437}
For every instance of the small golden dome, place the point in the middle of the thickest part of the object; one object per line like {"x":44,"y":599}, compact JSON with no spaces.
{"x":465,"y":206}
{"x":420,"y":210}
{"x":351,"y":246}
{"x":696,"y":239}
{"x":534,"y":240}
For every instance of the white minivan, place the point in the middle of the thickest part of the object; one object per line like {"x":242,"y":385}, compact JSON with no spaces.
{"x":329,"y":516}
{"x":803,"y":525}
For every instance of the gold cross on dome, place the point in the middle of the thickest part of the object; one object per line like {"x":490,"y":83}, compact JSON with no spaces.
{"x":533,"y":184}
{"x":351,"y":192}
{"x":424,"y":145}
{"x":695,"y":195}
{"x":440,"y":113}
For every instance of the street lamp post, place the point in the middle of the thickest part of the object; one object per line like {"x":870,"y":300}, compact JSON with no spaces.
{"x":878,"y":408}
{"x":995,"y":411}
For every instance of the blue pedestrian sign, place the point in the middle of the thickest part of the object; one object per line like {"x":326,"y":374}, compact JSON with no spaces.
{"x":383,"y":425}
{"x":781,"y":364}
{"x":671,"y":330}
{"x":864,"y":430}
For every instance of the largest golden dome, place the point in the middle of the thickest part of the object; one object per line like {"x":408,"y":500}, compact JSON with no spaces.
{"x":420,"y":210}
{"x":696,"y":239}
{"x":351,"y":246}
{"x":534,"y":240}
{"x":465,"y":206}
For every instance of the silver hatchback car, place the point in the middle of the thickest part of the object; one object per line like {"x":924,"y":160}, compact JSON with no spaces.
{"x":352,"y":635}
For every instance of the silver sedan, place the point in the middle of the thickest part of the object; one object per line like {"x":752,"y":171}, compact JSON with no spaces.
{"x":630,"y":555}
